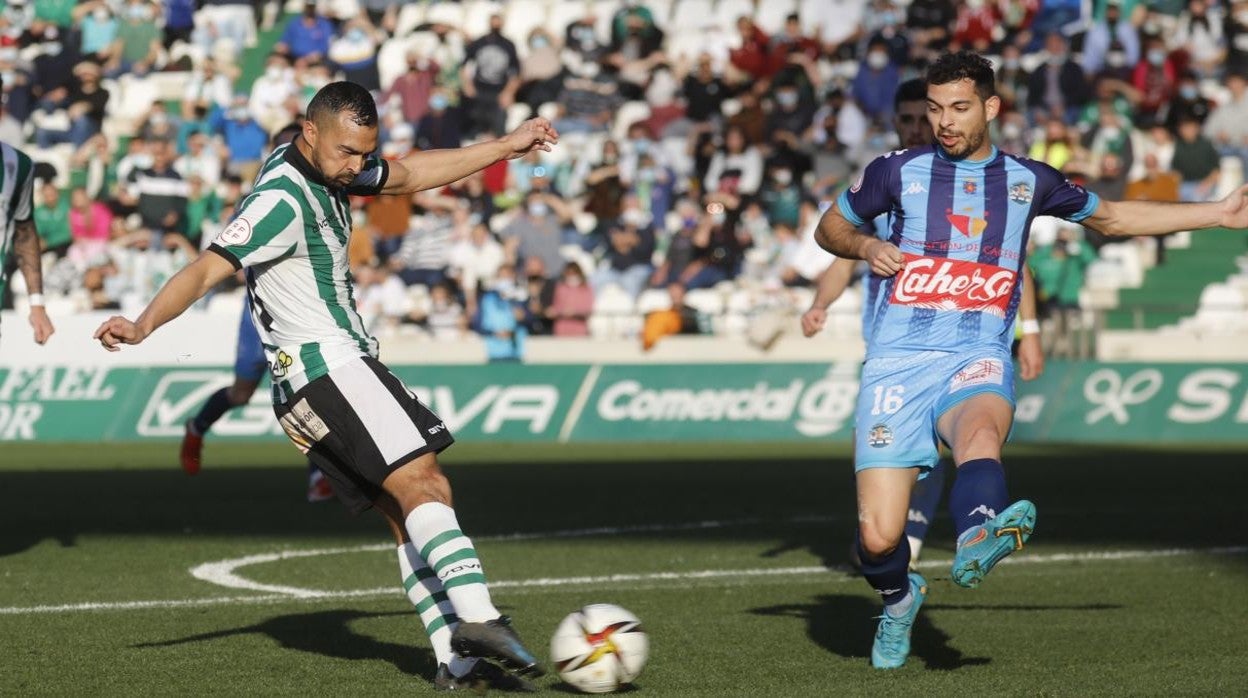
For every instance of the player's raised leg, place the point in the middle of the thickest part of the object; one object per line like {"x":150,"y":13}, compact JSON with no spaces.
{"x":988,"y":529}
{"x":424,"y":496}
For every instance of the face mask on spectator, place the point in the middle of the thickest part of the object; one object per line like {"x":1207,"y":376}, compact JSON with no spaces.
{"x":1010,"y":64}
{"x":641,"y":146}
{"x":1116,"y":59}
{"x":143,"y":160}
{"x":237,"y":113}
{"x":356,"y":34}
{"x":719,"y":218}
{"x":159,"y":118}
{"x":8,"y":54}
{"x":538,"y":42}
{"x":974,"y":4}
{"x":537,"y":209}
{"x":783,"y":177}
{"x":100,"y":14}
{"x":1111,"y":132}
{"x":52,"y":48}
{"x":137,"y":12}
{"x":877,"y":59}
{"x":420,"y":64}
{"x":788,"y":98}
{"x":273,"y":72}
{"x":1188,"y":92}
{"x":573,"y":280}
{"x":1011,"y":131}
{"x":1156,"y":56}
{"x":438,"y":102}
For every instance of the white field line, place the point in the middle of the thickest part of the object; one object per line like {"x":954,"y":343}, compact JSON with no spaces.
{"x":619,"y":579}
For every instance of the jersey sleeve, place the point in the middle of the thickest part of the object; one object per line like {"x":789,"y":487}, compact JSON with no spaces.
{"x":268,"y":226}
{"x":23,"y":207}
{"x":1061,"y":197}
{"x":371,"y":179}
{"x":872,"y":194}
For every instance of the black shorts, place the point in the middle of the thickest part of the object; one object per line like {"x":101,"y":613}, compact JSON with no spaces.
{"x":357,"y":424}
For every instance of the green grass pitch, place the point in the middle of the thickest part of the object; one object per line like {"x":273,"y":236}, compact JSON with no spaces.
{"x":1134,"y":583}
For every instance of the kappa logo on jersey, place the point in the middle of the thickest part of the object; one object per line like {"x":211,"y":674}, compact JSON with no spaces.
{"x":880,"y":436}
{"x":1020,"y":193}
{"x":947,"y":284}
{"x":969,"y":226}
{"x":914,"y":187}
{"x":982,"y":372}
{"x":238,"y":232}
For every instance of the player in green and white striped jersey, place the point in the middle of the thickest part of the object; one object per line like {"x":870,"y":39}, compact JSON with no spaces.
{"x":375,"y":441}
{"x":19,"y":236}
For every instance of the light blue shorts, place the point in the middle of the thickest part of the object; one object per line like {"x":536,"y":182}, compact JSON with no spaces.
{"x":900,"y":400}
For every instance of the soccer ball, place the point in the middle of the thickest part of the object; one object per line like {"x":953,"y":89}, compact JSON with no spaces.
{"x":599,"y":648}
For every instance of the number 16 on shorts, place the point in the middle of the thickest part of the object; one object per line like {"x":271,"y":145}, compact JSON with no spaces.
{"x":888,"y":400}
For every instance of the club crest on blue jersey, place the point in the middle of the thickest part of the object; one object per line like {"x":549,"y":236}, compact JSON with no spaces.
{"x":880,"y":436}
{"x":1020,"y":193}
{"x":969,"y":186}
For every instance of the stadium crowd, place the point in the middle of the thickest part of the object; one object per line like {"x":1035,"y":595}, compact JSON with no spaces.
{"x":700,"y":139}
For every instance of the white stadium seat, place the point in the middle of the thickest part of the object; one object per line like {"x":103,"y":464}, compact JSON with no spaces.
{"x":522,"y":17}
{"x":411,"y":15}
{"x":705,"y":301}
{"x":477,"y":15}
{"x":611,"y":300}
{"x":448,"y":13}
{"x":653,"y":299}
{"x":692,"y":14}
{"x":561,"y":14}
{"x":626,"y":115}
{"x":771,"y":14}
{"x":727,"y":12}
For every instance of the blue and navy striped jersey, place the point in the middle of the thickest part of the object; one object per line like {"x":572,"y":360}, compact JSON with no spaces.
{"x":962,"y":227}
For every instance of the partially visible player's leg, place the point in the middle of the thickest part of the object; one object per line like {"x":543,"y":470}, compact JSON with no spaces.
{"x":234,"y":395}
{"x":988,"y":530}
{"x":924,"y":500}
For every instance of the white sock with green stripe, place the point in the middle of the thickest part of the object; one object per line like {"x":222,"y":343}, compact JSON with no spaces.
{"x":432,"y":605}
{"x":435,"y":531}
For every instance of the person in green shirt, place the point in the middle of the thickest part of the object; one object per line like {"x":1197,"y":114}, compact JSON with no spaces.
{"x":202,"y":206}
{"x":52,"y":219}
{"x":139,"y":38}
{"x":58,"y":12}
{"x":1060,"y":270}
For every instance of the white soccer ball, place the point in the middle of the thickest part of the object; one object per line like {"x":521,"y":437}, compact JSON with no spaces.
{"x":599,"y":648}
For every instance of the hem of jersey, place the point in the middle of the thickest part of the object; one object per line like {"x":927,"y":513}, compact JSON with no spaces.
{"x":226,"y":254}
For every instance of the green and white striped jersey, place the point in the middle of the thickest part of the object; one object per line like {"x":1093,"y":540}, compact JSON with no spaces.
{"x":17,"y":184}
{"x":291,"y":235}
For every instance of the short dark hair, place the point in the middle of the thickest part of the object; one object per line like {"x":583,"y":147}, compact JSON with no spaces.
{"x":286,"y":134}
{"x":337,"y":97}
{"x":964,"y":65}
{"x":910,"y":91}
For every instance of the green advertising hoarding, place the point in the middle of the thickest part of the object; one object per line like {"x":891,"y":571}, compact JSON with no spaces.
{"x":1071,"y":402}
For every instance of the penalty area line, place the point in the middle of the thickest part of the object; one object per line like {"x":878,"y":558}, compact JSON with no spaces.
{"x":558,"y":582}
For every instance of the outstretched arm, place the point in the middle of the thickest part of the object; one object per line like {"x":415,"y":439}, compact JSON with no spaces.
{"x":178,"y":293}
{"x":26,"y":249}
{"x":1130,"y":218}
{"x":840,"y":237}
{"x":832,"y":283}
{"x":430,"y":169}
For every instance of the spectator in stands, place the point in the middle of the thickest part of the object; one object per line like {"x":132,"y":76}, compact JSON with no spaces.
{"x":203,"y":211}
{"x":1155,"y":78}
{"x":1060,"y":270}
{"x":753,"y":56}
{"x":179,"y":21}
{"x":791,"y":42}
{"x":1200,"y":34}
{"x":159,"y":193}
{"x":876,"y":83}
{"x":228,"y":21}
{"x":738,"y":168}
{"x":1059,"y":86}
{"x":439,"y":127}
{"x":790,"y":114}
{"x":354,"y":51}
{"x":930,"y":22}
{"x":90,"y":226}
{"x":306,"y":36}
{"x":541,"y":72}
{"x":630,"y":248}
{"x":1113,"y":31}
{"x":53,"y":64}
{"x":425,"y":253}
{"x":498,"y":318}
{"x":140,"y":41}
{"x":704,"y":92}
{"x":443,"y":318}
{"x":52,"y":220}
{"x":538,"y":293}
{"x":588,"y":100}
{"x":72,"y":114}
{"x":706,"y":254}
{"x":474,"y":197}
{"x":245,"y":139}
{"x":1110,"y":134}
{"x":381,"y":298}
{"x":572,"y":304}
{"x":200,"y":161}
{"x":98,"y":29}
{"x":1056,"y":148}
{"x":1011,"y":79}
{"x":272,"y":94}
{"x":581,"y":38}
{"x":1227,"y":125}
{"x":17,"y":90}
{"x":414,"y":87}
{"x":782,"y":197}
{"x":475,"y":262}
{"x":537,"y":231}
{"x":489,"y":78}
{"x":208,"y":89}
{"x":679,"y":318}
{"x":1187,"y":102}
{"x":604,"y":188}
{"x":975,"y":24}
{"x":160,"y":125}
{"x":11,"y":131}
{"x":1196,"y":161}
{"x":636,"y":48}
